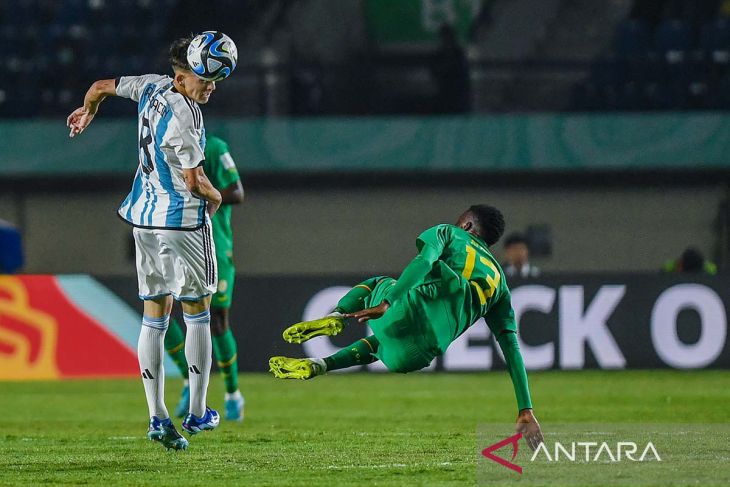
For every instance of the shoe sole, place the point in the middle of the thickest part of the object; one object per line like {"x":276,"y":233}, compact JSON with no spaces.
{"x":176,"y":444}
{"x":288,"y":368}
{"x":306,"y":330}
{"x":199,"y":429}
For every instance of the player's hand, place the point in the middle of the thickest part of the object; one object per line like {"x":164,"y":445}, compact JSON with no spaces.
{"x":212,"y":207}
{"x":79,"y":120}
{"x":370,"y":313}
{"x":529,"y":427}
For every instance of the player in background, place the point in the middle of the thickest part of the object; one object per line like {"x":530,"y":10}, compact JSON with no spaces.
{"x":170,"y":205}
{"x":223,"y":175}
{"x":452,"y":282}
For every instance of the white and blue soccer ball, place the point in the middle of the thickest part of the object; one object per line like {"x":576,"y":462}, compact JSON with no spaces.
{"x":212,"y":55}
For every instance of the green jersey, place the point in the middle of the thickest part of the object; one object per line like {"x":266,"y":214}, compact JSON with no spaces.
{"x":473,"y":282}
{"x":222,"y":172}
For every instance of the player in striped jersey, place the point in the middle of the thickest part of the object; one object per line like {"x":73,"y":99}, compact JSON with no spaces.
{"x":170,"y":206}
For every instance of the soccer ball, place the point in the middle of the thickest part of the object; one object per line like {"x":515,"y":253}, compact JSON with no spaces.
{"x":212,"y":55}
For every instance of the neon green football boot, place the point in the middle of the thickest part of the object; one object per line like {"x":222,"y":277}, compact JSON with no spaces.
{"x":296,"y":368}
{"x":330,"y":325}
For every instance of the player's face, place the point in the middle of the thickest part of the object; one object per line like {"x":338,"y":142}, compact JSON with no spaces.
{"x":197,"y":89}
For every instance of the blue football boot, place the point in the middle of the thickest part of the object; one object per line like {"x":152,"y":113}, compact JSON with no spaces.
{"x":163,"y":431}
{"x":234,"y":406}
{"x":194,"y":425}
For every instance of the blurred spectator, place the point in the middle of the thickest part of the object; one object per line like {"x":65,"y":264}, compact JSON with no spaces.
{"x":450,"y":70}
{"x":517,"y":258}
{"x":691,"y":261}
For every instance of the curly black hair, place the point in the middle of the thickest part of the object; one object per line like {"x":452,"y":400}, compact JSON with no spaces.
{"x":179,"y":52}
{"x":490,"y":221}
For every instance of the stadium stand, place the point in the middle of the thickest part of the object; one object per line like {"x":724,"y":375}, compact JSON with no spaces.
{"x":564,"y":55}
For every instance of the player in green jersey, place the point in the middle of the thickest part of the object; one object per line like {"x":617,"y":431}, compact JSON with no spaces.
{"x":222,"y":172}
{"x":452,"y":282}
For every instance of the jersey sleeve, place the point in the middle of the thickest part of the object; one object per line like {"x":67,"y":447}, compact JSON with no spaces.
{"x":431,"y":245}
{"x":501,"y":317}
{"x":132,"y":86}
{"x":223,"y":171}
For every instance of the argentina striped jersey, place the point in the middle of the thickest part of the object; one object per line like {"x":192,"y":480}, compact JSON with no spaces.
{"x":171,"y":138}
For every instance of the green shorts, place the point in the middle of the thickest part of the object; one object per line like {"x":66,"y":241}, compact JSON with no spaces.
{"x":407,"y":342}
{"x":226,"y":277}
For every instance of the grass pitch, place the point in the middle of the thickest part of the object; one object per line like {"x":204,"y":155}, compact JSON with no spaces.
{"x":343,"y":429}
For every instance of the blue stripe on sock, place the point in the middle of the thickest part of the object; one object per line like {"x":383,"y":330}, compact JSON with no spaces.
{"x":160,"y":323}
{"x":199,"y":316}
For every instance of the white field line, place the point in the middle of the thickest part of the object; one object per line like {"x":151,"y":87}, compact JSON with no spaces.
{"x":392,"y":465}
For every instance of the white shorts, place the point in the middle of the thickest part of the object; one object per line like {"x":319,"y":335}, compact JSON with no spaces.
{"x":177,"y":262}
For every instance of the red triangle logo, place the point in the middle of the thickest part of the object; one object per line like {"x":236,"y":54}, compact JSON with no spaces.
{"x":514,"y":440}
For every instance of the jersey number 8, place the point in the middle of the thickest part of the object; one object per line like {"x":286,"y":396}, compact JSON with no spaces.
{"x":144,"y":144}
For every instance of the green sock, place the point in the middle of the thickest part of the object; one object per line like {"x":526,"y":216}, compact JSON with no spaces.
{"x":354,"y":300}
{"x":175,"y":346}
{"x":226,"y":354}
{"x":359,"y":353}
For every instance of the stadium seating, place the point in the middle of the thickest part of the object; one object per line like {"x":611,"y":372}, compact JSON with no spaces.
{"x":665,"y":54}
{"x":676,"y":63}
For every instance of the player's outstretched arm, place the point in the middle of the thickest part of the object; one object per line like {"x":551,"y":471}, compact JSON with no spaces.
{"x":82,"y":116}
{"x":526,"y":422}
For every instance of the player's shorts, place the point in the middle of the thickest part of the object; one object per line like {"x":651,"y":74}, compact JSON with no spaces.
{"x":407,"y":342}
{"x":226,"y":277}
{"x":177,"y":262}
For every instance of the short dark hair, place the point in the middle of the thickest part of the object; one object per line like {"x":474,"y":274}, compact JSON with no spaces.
{"x":515,"y":238}
{"x":490,"y":221}
{"x":179,"y":52}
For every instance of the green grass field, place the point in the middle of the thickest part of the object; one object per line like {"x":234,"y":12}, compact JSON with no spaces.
{"x":360,"y":429}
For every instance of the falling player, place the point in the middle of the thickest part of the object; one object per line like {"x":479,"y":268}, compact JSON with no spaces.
{"x":452,"y":282}
{"x":221,"y":170}
{"x":170,"y":205}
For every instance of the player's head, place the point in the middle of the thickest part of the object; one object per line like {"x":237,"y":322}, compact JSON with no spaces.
{"x":486,"y":222}
{"x":185,"y":80}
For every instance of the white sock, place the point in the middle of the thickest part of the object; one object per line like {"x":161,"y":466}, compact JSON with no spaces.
{"x":150,"y":352}
{"x":199,"y":354}
{"x":321,"y":363}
